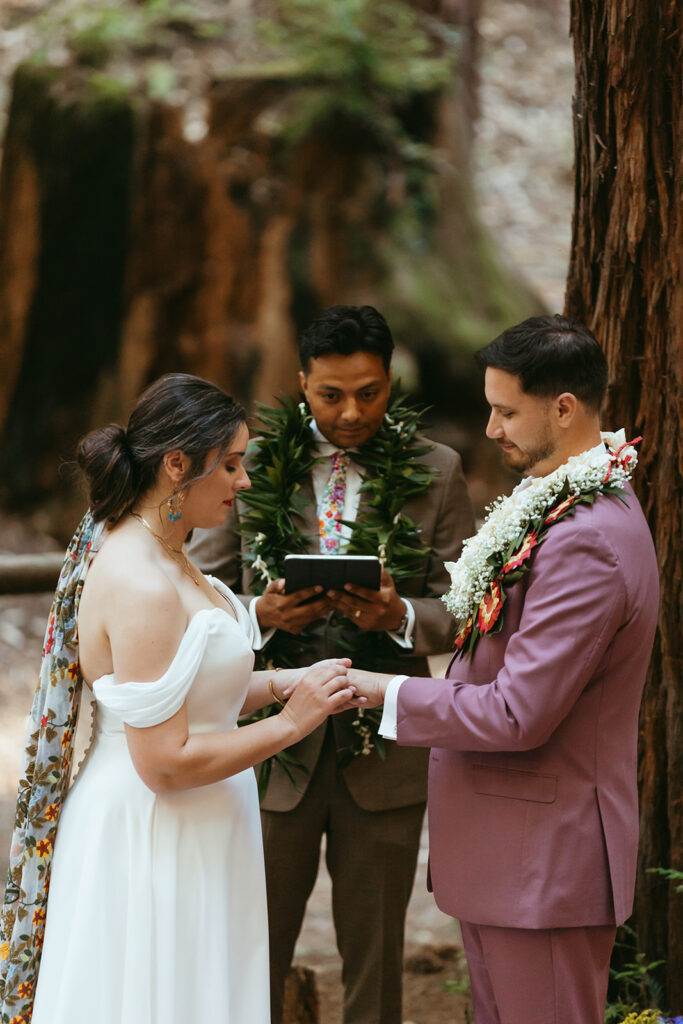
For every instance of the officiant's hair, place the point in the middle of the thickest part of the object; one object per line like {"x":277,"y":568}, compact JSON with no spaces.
{"x":176,"y":411}
{"x":550,"y":355}
{"x":345,"y":330}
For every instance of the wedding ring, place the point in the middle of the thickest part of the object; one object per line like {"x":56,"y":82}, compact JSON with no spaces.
{"x":356,"y":614}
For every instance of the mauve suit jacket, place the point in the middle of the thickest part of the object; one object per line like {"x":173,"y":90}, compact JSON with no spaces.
{"x":533,"y":803}
{"x":444,"y":514}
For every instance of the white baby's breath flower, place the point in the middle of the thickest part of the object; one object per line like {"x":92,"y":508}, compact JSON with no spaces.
{"x":509,"y":516}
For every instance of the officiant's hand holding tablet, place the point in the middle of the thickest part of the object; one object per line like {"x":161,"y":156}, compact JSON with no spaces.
{"x":379,"y":609}
{"x":314,"y":585}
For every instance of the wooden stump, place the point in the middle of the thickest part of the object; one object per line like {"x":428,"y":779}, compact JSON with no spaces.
{"x":301,"y":997}
{"x":134,"y":247}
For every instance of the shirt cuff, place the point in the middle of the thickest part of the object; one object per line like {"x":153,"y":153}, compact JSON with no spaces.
{"x":388,"y":727}
{"x":259,"y":641}
{"x":404,"y":636}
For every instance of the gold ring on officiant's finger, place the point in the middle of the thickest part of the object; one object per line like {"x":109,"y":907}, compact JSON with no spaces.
{"x":356,"y":614}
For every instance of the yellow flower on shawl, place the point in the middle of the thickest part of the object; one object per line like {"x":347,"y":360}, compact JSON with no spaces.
{"x":4,"y":951}
{"x":43,"y":847}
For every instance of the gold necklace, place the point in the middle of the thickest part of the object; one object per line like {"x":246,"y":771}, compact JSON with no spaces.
{"x":173,"y":552}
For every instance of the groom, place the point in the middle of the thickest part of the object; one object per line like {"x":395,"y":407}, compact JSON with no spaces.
{"x":533,"y":804}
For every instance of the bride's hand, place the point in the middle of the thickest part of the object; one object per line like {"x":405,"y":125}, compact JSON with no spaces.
{"x":322,"y":690}
{"x":295,"y":675}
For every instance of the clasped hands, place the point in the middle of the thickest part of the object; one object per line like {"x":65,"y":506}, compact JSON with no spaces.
{"x":377,"y":610}
{"x":312,"y":693}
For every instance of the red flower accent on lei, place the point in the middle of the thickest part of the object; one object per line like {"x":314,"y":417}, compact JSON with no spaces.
{"x":490,"y":608}
{"x":461,"y":638}
{"x":623,"y":461}
{"x":524,"y":552}
{"x":560,"y":509}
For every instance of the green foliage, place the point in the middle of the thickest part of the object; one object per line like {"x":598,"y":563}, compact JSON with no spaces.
{"x":365,"y":44}
{"x":96,"y":31}
{"x":161,"y":79}
{"x":671,"y":874}
{"x":460,"y":984}
{"x":635,"y":983}
{"x":362,"y":59}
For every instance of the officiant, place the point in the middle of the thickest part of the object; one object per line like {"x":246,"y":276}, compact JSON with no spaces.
{"x":362,"y":479}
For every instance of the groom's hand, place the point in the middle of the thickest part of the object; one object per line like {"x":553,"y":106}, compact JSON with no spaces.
{"x":275,"y":609}
{"x":370,"y":609}
{"x":370,"y":685}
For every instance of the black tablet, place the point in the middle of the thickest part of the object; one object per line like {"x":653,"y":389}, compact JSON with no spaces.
{"x":331,"y":571}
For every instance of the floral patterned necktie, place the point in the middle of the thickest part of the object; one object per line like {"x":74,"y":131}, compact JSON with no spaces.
{"x":332,"y":505}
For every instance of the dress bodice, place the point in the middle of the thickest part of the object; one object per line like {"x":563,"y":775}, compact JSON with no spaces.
{"x":210,"y":671}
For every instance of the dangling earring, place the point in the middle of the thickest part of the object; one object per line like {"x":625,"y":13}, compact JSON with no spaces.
{"x":175,"y":506}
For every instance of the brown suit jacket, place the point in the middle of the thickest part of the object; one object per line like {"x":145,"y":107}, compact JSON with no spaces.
{"x":444,"y":515}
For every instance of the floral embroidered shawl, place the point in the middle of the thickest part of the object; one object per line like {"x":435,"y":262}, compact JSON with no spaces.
{"x":43,"y":784}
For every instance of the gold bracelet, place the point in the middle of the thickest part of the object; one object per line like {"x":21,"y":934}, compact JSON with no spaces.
{"x":275,"y":696}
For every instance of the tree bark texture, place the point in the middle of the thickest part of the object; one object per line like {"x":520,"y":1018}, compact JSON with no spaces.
{"x":625,"y":283}
{"x":131,"y":248}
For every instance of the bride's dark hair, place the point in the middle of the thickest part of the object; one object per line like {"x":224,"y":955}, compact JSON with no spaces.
{"x":177,"y":411}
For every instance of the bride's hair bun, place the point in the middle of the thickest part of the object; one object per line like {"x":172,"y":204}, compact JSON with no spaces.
{"x":106,"y":459}
{"x":177,"y":411}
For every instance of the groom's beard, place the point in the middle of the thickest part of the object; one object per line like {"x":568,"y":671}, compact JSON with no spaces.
{"x":523,"y":460}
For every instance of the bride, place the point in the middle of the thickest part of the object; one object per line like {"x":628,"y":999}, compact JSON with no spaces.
{"x":156,"y":909}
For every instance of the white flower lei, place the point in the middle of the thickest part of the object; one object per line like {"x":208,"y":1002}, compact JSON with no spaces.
{"x":474,"y":572}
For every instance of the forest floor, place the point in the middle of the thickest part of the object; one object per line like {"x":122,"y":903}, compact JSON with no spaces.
{"x":523,"y":163}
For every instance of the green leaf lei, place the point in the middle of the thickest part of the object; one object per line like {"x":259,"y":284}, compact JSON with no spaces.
{"x":283,"y":457}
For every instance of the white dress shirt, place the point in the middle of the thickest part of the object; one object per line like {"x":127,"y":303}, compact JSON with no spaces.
{"x":320,"y":475}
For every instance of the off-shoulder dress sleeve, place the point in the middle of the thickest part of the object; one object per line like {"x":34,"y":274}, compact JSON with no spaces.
{"x":143,"y":704}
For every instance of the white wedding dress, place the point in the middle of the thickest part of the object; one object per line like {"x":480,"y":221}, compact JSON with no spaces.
{"x":157,"y":907}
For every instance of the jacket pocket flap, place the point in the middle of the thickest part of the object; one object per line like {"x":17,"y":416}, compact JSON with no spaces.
{"x":515,"y":784}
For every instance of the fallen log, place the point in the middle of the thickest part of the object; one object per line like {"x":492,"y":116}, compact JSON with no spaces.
{"x":30,"y":574}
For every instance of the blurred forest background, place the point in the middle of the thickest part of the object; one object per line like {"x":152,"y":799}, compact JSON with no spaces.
{"x":184,"y":186}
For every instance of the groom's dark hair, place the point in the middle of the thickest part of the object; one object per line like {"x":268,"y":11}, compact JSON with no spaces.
{"x":344,"y":330}
{"x":550,"y":355}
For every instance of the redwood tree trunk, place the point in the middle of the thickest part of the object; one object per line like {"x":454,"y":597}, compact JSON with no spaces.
{"x":625,"y":283}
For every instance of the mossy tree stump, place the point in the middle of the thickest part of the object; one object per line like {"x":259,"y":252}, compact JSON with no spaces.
{"x":132,"y":246}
